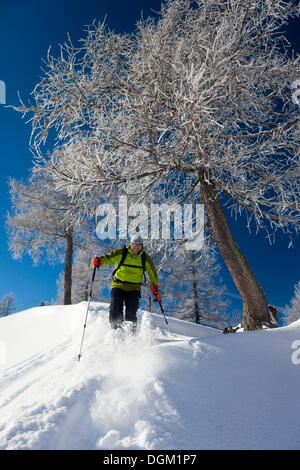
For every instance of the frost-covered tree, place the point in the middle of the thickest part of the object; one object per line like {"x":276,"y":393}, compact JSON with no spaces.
{"x":292,"y":311}
{"x":203,"y":292}
{"x":7,"y":305}
{"x":190,"y":281}
{"x":203,"y":93}
{"x":39,"y":226}
{"x":82,"y":272}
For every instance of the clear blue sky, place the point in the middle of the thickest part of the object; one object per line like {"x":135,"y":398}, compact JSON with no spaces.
{"x":27,"y":29}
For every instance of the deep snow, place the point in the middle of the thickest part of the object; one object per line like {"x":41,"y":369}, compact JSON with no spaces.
{"x":194,"y":389}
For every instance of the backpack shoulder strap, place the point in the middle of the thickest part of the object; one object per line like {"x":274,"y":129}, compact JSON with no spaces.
{"x":144,"y":260}
{"x":124,"y":254}
{"x":144,"y":266}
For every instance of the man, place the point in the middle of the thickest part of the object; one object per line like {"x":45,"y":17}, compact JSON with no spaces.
{"x":130,"y":263}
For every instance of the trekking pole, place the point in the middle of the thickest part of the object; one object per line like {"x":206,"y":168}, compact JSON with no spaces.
{"x":163,"y":312}
{"x":87,"y":311}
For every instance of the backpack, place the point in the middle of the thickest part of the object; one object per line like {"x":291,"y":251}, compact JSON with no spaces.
{"x":124,"y":254}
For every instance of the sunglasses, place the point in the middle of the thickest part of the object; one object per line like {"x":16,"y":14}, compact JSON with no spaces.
{"x":137,"y":244}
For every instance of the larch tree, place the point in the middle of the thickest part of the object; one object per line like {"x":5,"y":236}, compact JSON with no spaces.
{"x":194,"y":283}
{"x":202,"y":93}
{"x":82,"y":272}
{"x":39,"y":226}
{"x":292,"y":311}
{"x":7,"y":305}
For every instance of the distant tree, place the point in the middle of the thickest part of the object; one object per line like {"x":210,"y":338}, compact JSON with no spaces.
{"x":40,"y":224}
{"x":292,"y":311}
{"x":7,"y":305}
{"x":82,"y":272}
{"x":193,"y":288}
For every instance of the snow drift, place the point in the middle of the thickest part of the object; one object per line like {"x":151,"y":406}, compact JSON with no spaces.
{"x":193,"y":389}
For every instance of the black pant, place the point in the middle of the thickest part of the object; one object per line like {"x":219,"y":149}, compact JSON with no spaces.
{"x":118,"y":298}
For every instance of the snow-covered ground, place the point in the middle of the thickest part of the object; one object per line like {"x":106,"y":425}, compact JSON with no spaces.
{"x":193,"y":389}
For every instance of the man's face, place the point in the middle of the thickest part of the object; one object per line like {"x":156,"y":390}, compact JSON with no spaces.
{"x":136,"y":247}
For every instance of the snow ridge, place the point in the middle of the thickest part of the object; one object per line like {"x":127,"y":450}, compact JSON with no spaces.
{"x":193,"y":389}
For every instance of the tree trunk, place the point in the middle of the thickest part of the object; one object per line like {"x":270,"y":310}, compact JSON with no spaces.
{"x":195,"y":290}
{"x":68,"y":270}
{"x":255,"y":306}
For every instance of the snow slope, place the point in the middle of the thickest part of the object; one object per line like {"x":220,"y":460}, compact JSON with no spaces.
{"x":193,"y":389}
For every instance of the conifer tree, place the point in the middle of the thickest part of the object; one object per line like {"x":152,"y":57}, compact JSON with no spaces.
{"x":204,"y":91}
{"x":292,"y":310}
{"x":7,"y":305}
{"x":39,"y":226}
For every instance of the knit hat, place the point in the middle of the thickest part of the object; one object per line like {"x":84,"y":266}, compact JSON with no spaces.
{"x":136,"y":238}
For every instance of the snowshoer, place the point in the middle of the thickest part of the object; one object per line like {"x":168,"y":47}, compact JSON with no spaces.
{"x":130,"y":264}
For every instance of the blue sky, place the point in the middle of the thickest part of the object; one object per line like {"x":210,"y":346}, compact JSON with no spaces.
{"x":27,"y":29}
